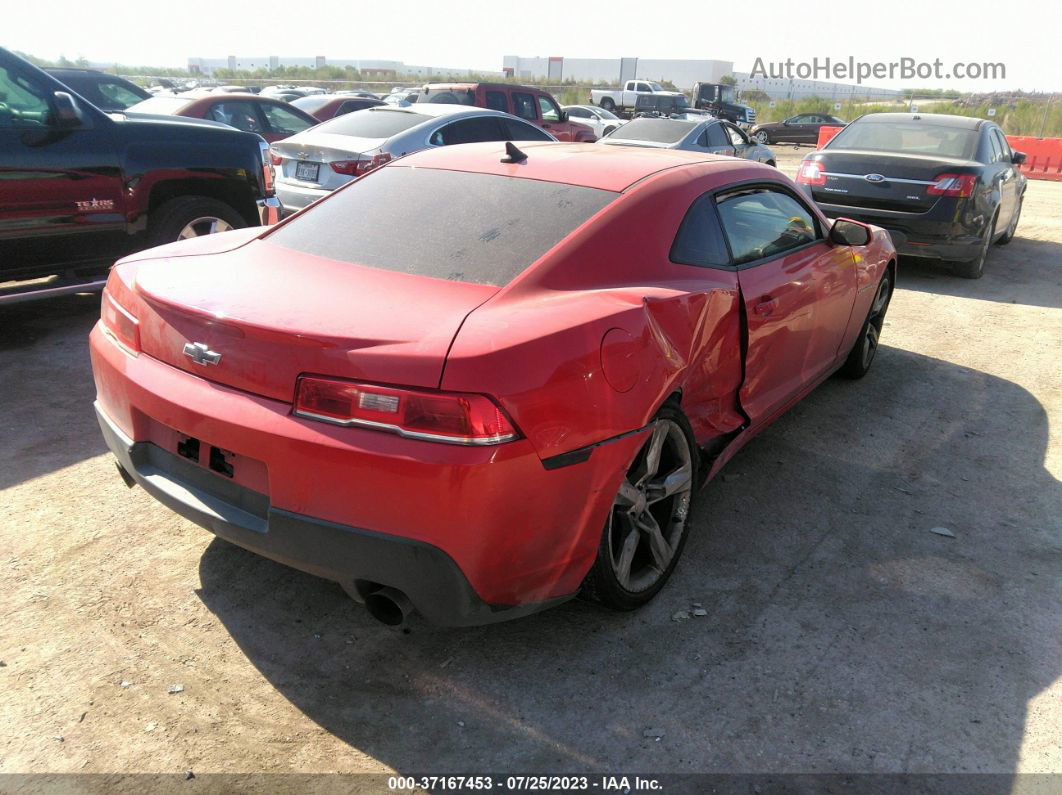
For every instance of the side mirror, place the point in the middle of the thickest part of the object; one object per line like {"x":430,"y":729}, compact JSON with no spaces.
{"x":564,"y":115}
{"x":787,"y":122}
{"x":849,"y":233}
{"x":67,"y":113}
{"x":1017,"y":158}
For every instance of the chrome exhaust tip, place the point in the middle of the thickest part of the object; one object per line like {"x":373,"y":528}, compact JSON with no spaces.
{"x":388,"y":606}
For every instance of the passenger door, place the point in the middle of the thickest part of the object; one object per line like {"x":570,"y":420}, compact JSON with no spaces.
{"x":738,"y":139}
{"x":61,"y":198}
{"x":551,"y":120}
{"x":1009,"y":179}
{"x":798,"y":290}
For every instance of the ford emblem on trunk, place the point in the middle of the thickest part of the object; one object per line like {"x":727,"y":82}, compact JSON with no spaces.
{"x":874,"y":178}
{"x":201,"y":354}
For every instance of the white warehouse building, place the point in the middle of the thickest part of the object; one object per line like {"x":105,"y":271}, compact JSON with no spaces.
{"x":368,"y":67}
{"x":682,"y":73}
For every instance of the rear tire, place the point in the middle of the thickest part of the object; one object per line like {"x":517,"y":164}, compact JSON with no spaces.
{"x":1013,"y":227}
{"x":608,"y":104}
{"x":761,"y":137}
{"x":865,"y":348}
{"x":191,"y":216}
{"x":647,"y":527}
{"x":975,"y":268}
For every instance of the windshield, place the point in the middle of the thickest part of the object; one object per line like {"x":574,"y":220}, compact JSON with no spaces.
{"x":664,"y":131}
{"x":449,"y":96}
{"x":909,"y":138}
{"x":455,"y":225}
{"x":311,"y":104}
{"x":604,"y":114}
{"x":372,"y":123}
{"x":727,"y":93}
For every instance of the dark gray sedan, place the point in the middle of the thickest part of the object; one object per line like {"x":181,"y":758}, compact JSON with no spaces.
{"x":710,"y":135}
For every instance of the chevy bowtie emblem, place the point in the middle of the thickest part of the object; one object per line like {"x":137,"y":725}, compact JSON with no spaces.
{"x":201,"y":354}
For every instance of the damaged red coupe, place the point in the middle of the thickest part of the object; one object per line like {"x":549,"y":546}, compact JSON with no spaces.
{"x":481,"y":380}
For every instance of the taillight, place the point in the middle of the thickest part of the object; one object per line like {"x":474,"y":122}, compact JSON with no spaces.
{"x":960,"y":185}
{"x":454,"y":418}
{"x":811,"y":173}
{"x":275,"y":157}
{"x":268,"y":174}
{"x":355,"y":168}
{"x":120,"y":324}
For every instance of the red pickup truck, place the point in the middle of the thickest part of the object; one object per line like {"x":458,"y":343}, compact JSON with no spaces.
{"x":533,"y":104}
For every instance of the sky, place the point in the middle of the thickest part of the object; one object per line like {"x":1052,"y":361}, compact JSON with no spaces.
{"x":1022,"y":34}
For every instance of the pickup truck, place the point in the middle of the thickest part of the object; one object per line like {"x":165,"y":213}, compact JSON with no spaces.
{"x":80,"y":188}
{"x":626,"y":99}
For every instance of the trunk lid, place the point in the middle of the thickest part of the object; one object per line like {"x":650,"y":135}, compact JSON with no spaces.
{"x":904,"y":183}
{"x":273,"y":314}
{"x":321,"y":150}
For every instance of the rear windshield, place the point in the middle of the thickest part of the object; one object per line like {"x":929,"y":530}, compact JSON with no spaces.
{"x":909,"y":138}
{"x":373,"y":123}
{"x":448,"y":96}
{"x":455,"y":225}
{"x":664,"y":131}
{"x":312,"y":104}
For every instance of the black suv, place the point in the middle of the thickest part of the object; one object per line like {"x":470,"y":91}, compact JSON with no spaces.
{"x":80,"y":188}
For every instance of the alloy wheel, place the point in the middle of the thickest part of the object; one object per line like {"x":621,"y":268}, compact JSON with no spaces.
{"x":875,"y":321}
{"x":648,"y":518}
{"x":205,"y":225}
{"x":761,"y":137}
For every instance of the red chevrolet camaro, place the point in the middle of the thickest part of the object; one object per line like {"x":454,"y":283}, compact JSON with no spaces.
{"x":480,"y":380}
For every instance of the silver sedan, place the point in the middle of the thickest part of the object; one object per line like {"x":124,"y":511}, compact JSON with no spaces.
{"x":710,"y":135}
{"x":315,"y":162}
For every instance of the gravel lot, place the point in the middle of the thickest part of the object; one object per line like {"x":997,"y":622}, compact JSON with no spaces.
{"x":841,"y":635}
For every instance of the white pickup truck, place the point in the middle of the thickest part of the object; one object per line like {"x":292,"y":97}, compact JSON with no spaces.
{"x":625,"y":100}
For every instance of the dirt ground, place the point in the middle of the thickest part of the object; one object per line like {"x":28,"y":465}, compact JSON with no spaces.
{"x":841,"y":635}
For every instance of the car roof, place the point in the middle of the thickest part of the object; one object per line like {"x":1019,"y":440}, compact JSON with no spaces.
{"x":938,"y":119}
{"x":64,"y":70}
{"x":613,"y":168}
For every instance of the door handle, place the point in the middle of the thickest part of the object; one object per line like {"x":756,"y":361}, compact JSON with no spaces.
{"x":766,"y":306}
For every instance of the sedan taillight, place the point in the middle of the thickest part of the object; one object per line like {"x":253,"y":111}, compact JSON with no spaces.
{"x":355,"y":168}
{"x":120,"y":324}
{"x":450,"y":417}
{"x":960,"y":185}
{"x":812,"y":173}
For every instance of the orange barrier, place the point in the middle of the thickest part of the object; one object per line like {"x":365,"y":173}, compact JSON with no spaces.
{"x":825,"y":134}
{"x":1043,"y":156}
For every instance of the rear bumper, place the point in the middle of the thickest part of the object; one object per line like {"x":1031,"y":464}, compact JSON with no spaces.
{"x":295,"y":197}
{"x":427,"y":575}
{"x":471,"y":535}
{"x":933,"y":235}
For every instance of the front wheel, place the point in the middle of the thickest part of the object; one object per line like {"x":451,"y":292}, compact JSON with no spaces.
{"x":647,"y":527}
{"x":866,"y":345}
{"x":761,"y":137}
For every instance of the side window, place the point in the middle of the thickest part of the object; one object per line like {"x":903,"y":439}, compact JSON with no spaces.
{"x":522,"y":131}
{"x":496,"y":100}
{"x":1004,"y":147}
{"x":643,"y":86}
{"x":524,"y":106}
{"x":700,"y":240}
{"x":283,"y":121}
{"x":119,"y":94}
{"x":737,"y":138}
{"x":468,"y":131}
{"x":550,"y":112}
{"x":240,"y":115}
{"x":995,"y":154}
{"x":716,"y":136}
{"x":579,"y":113}
{"x":22,"y":103}
{"x":763,"y":223}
